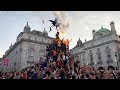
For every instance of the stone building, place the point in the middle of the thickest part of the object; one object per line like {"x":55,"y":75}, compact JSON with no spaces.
{"x":29,"y":47}
{"x":1,"y":65}
{"x":102,"y":51}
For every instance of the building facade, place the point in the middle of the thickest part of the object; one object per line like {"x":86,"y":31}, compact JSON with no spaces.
{"x":102,"y":51}
{"x":29,"y":47}
{"x":1,"y":68}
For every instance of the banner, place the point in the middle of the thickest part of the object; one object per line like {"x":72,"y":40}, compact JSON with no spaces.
{"x":5,"y":61}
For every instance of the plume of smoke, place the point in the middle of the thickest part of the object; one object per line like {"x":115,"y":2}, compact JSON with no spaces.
{"x":63,"y":18}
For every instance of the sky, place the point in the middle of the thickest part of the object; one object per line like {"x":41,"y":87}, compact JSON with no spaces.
{"x":79,"y":24}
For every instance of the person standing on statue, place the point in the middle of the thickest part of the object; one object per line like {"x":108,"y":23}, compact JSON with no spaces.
{"x":67,"y":43}
{"x":57,"y":36}
{"x":63,"y":47}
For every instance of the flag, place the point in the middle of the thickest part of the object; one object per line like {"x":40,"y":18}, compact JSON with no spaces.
{"x":42,"y":21}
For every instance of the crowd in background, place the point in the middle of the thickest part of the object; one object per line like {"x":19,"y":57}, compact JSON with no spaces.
{"x":61,"y":69}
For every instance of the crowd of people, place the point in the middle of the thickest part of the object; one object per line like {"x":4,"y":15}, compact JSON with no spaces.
{"x":61,"y":70}
{"x":59,"y":64}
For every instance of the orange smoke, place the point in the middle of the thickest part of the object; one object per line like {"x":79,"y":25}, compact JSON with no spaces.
{"x":63,"y":34}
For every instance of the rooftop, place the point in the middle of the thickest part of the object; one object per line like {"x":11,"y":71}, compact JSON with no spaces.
{"x":105,"y":30}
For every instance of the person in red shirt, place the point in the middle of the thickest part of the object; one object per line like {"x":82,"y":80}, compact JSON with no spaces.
{"x":24,"y":75}
{"x":59,"y":63}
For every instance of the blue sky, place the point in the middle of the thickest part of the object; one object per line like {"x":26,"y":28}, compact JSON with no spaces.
{"x":81,"y":24}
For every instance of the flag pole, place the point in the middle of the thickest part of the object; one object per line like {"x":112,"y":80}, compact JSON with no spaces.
{"x":42,"y":24}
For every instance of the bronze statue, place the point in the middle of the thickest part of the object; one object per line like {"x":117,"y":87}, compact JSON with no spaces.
{"x":54,"y":23}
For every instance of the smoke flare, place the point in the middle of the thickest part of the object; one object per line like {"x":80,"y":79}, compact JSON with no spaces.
{"x":63,"y":19}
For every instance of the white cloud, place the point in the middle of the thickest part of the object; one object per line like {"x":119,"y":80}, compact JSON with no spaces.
{"x":1,"y":53}
{"x":87,"y":21}
{"x":81,"y":23}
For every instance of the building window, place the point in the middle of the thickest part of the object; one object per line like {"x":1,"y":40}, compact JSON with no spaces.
{"x":91,"y":58}
{"x":41,"y":53}
{"x":119,"y":54}
{"x":99,"y":57}
{"x":83,"y":61}
{"x":31,"y":56}
{"x":108,"y":52}
{"x":108,"y":56}
{"x":20,"y":50}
